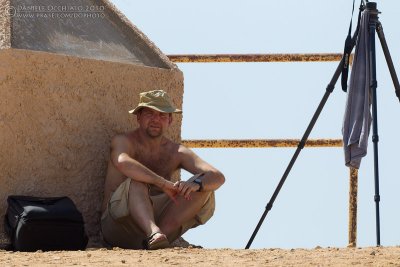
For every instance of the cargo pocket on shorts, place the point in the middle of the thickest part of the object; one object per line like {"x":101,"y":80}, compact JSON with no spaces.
{"x":118,"y":206}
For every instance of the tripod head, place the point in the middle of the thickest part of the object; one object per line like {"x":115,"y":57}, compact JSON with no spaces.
{"x":371,"y":8}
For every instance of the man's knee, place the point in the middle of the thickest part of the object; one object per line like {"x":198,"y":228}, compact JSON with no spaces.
{"x":136,"y":187}
{"x":207,"y":209}
{"x":205,"y":194}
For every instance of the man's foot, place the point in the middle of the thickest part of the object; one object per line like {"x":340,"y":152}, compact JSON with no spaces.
{"x":156,"y":240}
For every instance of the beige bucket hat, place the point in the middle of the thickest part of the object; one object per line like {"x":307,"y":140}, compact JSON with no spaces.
{"x":157,"y":100}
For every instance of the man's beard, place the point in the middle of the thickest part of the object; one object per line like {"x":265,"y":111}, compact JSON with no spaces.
{"x":154,"y":133}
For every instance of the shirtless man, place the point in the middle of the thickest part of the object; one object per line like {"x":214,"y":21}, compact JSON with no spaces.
{"x":144,"y":205}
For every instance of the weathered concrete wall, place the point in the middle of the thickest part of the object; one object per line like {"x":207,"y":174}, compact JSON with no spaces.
{"x":5,"y":24}
{"x":57,"y":116}
{"x":85,"y":28}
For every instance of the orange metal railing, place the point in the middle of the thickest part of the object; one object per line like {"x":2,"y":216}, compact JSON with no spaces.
{"x":256,"y":143}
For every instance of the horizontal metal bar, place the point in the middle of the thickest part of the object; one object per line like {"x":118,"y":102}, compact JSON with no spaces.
{"x":254,"y":143}
{"x":207,"y":58}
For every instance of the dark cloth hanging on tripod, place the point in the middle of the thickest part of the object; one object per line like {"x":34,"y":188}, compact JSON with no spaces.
{"x":357,"y":117}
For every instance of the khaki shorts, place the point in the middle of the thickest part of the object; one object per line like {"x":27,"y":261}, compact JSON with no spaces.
{"x":119,"y":230}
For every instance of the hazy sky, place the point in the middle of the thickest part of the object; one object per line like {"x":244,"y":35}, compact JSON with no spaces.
{"x":277,"y":100}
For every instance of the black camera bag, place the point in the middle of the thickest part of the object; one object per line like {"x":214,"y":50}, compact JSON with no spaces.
{"x":37,"y":223}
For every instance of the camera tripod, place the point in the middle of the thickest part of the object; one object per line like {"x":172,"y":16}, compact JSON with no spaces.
{"x":374,"y":26}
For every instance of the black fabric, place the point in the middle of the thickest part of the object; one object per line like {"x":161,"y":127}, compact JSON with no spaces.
{"x":347,"y":47}
{"x":35,"y":223}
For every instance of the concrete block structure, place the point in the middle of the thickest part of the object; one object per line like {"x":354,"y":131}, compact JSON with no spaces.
{"x":69,"y":73}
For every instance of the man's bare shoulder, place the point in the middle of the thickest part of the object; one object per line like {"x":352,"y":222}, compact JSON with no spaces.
{"x":123,"y":139}
{"x":184,"y":152}
{"x":183,"y":149}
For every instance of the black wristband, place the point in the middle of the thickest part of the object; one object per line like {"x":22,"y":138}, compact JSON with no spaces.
{"x":200,"y":183}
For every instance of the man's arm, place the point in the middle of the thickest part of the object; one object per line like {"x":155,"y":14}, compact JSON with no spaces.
{"x":120,"y":148}
{"x":211,"y":179}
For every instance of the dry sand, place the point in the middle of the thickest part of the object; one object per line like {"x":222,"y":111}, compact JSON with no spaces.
{"x":372,"y":256}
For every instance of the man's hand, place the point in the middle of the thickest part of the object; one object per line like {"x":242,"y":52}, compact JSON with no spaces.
{"x":170,"y":189}
{"x":186,"y":188}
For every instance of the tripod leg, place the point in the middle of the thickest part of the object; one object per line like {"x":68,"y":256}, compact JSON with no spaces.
{"x":375,"y":136}
{"x":329,"y":90}
{"x":388,"y":58}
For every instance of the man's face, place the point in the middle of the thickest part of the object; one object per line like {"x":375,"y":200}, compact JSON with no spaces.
{"x":154,"y":123}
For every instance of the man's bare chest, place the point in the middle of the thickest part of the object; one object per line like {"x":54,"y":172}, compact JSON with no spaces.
{"x":163,"y":163}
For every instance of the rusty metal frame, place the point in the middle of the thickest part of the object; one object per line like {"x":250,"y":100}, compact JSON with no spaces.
{"x":353,"y":207}
{"x":257,"y":143}
{"x":230,"y":58}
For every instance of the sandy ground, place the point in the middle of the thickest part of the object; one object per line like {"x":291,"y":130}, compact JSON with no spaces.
{"x":372,"y":256}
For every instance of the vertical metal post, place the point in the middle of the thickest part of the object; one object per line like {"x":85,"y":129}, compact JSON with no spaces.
{"x":353,"y":191}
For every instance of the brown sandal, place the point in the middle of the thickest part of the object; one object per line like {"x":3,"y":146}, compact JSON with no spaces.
{"x":152,"y":244}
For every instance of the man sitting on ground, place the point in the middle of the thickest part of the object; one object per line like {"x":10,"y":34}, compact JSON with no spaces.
{"x":144,"y":205}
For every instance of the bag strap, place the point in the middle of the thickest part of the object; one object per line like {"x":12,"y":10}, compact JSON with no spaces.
{"x":348,"y":44}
